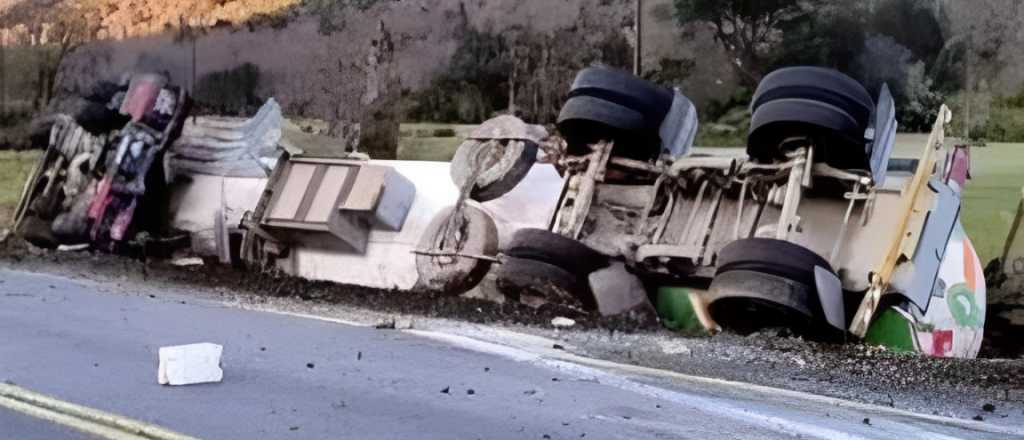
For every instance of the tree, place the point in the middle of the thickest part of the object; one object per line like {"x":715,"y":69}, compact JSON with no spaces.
{"x":749,"y":30}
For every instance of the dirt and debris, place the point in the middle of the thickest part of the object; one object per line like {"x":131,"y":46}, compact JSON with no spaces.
{"x":393,"y":304}
{"x":952,"y":387}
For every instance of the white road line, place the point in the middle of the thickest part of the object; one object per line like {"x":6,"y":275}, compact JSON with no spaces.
{"x":591,"y":368}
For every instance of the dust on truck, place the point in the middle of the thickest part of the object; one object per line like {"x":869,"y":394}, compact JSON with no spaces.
{"x":815,"y":226}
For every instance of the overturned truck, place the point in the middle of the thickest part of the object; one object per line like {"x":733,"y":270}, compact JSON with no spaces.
{"x":814,"y":227}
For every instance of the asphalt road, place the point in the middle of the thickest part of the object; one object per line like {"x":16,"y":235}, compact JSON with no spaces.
{"x":295,"y":378}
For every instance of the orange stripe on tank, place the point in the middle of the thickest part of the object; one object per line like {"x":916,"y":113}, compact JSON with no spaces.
{"x":970,"y":274}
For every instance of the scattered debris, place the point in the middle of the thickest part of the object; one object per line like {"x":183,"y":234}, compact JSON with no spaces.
{"x":187,"y":262}
{"x":190,"y":364}
{"x":619,"y":292}
{"x":675,"y":348}
{"x":988,"y":407}
{"x":395,"y":324}
{"x":558,"y":347}
{"x":446,"y":390}
{"x":866,"y":421}
{"x":562,"y":322}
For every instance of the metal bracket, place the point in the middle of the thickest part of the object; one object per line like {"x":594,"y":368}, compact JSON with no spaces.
{"x":430,"y":253}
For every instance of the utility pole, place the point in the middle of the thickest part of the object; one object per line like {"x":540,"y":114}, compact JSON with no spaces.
{"x":3,"y":73}
{"x":638,"y":55}
{"x":969,"y":89}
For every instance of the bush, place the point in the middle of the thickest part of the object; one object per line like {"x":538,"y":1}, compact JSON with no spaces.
{"x":444,"y":133}
{"x":1005,"y":124}
{"x":229,"y":92}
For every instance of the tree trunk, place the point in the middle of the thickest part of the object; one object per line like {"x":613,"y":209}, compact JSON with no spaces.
{"x":3,"y":73}
{"x":513,"y":78}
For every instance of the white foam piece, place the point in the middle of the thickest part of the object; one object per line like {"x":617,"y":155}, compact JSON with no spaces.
{"x":190,"y":364}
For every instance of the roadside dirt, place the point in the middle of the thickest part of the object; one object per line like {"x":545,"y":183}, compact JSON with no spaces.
{"x":981,"y":389}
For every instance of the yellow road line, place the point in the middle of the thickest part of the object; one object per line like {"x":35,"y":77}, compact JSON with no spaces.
{"x":88,"y":420}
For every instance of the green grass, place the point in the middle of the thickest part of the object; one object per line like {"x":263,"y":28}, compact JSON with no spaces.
{"x":14,"y":169}
{"x":460,"y":129}
{"x":411,"y":147}
{"x":432,"y":149}
{"x":990,"y":199}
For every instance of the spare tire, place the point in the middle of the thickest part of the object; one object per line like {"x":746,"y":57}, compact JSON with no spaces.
{"x":501,"y":170}
{"x":457,"y":275}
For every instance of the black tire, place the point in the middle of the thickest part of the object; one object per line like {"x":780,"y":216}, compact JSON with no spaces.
{"x":770,"y":256}
{"x":592,"y":109}
{"x":38,"y":232}
{"x":103,"y":91}
{"x":625,"y":89}
{"x":516,"y":277}
{"x":551,"y":248}
{"x":586,"y":120}
{"x":40,"y":129}
{"x":96,"y":118}
{"x":746,"y":302}
{"x":816,"y":83}
{"x":457,"y":275}
{"x":857,"y":110}
{"x":828,"y":125}
{"x":763,"y":283}
{"x":510,"y":168}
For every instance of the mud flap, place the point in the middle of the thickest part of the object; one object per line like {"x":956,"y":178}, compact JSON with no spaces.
{"x":830,"y":293}
{"x":931,"y":248}
{"x":679,"y":129}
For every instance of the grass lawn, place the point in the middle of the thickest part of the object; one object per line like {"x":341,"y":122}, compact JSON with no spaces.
{"x":990,"y":199}
{"x":14,"y":169}
{"x":413,"y":147}
{"x":430,"y":148}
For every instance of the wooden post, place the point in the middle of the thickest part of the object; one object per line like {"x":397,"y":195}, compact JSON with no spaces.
{"x":638,"y":54}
